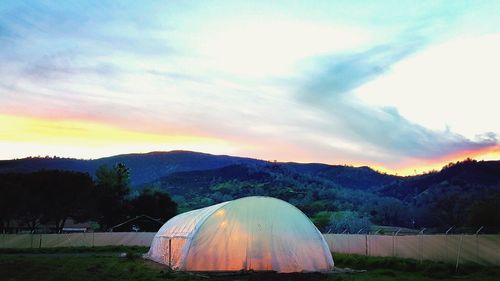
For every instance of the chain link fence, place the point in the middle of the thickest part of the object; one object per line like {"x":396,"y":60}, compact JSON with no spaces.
{"x":477,"y":248}
{"x":483,"y":249}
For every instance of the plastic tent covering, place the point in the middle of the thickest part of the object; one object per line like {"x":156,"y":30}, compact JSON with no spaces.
{"x":251,"y":233}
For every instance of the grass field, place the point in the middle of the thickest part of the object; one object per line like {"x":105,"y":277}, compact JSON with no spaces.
{"x":105,"y":263}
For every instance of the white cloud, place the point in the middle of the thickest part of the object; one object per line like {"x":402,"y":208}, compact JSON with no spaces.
{"x":265,"y":46}
{"x":452,"y":85}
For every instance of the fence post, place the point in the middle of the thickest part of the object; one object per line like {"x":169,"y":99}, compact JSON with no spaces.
{"x":459,"y":250}
{"x":422,"y":244}
{"x":447,"y":245}
{"x":366,"y":244}
{"x":394,"y":242}
{"x":477,"y":243}
{"x":40,"y":245}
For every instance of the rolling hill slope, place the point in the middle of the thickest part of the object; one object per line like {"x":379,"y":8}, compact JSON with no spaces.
{"x":460,"y":194}
{"x":144,"y":168}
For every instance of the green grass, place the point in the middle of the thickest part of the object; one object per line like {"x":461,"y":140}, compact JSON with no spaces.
{"x":60,"y":250}
{"x":388,"y":268}
{"x":104,"y":263}
{"x":88,"y":268}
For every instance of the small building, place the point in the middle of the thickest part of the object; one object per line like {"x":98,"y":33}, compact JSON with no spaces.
{"x":142,"y":223}
{"x":71,"y":226}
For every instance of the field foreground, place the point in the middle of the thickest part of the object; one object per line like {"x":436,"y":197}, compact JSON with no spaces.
{"x":106,"y":263}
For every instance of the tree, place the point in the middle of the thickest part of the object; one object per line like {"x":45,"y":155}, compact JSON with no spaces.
{"x":388,"y":211}
{"x":444,"y":204}
{"x":485,"y":213}
{"x":67,"y":194}
{"x":112,"y":189}
{"x":155,"y":204}
{"x":116,"y":179}
{"x":9,"y":201}
{"x":32,"y":207}
{"x":48,"y":197}
{"x":321,"y":220}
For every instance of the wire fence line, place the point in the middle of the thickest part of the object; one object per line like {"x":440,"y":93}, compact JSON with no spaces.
{"x":482,"y":249}
{"x":451,"y":248}
{"x":391,"y":230}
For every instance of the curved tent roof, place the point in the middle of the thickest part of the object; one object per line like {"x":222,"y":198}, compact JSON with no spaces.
{"x":251,"y":233}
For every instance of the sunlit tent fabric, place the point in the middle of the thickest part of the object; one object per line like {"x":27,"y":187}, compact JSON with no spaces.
{"x":251,"y":233}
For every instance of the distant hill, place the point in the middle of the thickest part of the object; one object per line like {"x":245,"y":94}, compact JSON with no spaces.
{"x":461,"y":194}
{"x":149,"y":167}
{"x":455,"y":196}
{"x":465,"y":174}
{"x":144,"y":168}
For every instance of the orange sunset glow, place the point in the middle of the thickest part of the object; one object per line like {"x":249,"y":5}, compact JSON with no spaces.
{"x":90,"y":135}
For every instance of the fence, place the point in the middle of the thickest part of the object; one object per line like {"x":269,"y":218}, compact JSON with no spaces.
{"x":454,"y":248}
{"x":89,"y":239}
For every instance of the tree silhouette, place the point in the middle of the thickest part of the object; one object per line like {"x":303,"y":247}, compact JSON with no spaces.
{"x":155,"y":204}
{"x":112,"y":189}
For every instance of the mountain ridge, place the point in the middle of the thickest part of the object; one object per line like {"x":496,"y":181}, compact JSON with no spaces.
{"x":159,"y":164}
{"x":145,"y":167}
{"x":457,"y":195}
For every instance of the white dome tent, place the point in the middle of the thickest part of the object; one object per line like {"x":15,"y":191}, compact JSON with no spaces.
{"x":251,"y":233}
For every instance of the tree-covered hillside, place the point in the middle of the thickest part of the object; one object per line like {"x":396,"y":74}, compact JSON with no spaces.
{"x":466,"y":193}
{"x":461,"y":194}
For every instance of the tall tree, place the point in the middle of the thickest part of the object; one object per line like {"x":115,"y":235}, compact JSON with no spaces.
{"x":112,"y":189}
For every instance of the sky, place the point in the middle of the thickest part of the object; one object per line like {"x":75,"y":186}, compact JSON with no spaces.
{"x":402,"y":86}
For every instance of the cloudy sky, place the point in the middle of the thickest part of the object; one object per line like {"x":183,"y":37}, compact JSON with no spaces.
{"x":402,"y":86}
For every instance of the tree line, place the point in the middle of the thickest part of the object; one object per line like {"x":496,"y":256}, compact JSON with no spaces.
{"x":51,"y":197}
